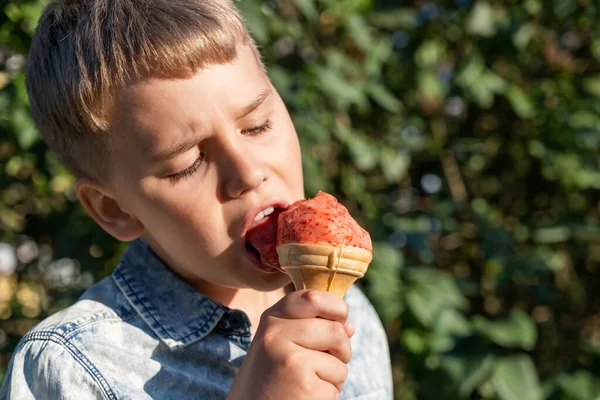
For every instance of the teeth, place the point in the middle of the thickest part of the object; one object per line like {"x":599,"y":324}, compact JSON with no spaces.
{"x":268,"y":211}
{"x":259,"y":216}
{"x":264,"y":213}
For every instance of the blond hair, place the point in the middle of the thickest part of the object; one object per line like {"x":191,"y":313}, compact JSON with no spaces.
{"x":85,"y":50}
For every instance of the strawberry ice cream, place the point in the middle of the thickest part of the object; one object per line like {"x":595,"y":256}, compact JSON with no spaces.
{"x":320,"y":220}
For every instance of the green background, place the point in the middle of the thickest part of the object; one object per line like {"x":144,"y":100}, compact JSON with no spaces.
{"x":464,"y":135}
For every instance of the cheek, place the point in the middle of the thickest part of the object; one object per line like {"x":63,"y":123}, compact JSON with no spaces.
{"x":186,"y":223}
{"x":293,"y":154}
{"x":173,"y":207}
{"x":290,"y":146}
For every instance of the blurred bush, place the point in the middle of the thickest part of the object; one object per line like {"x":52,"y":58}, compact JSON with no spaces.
{"x":464,"y":135}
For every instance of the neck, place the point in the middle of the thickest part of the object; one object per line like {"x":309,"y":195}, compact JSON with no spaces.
{"x":252,"y":302}
{"x":255,"y":303}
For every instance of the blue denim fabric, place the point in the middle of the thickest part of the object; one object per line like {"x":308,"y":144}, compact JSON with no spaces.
{"x":143,"y":333}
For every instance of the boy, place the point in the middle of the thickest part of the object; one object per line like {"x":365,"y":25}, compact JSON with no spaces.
{"x":164,"y":112}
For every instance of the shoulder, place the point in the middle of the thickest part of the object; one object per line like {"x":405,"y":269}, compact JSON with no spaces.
{"x":102,"y":302}
{"x":369,"y":329}
{"x":56,"y":357}
{"x":52,"y":369}
{"x":369,"y":372}
{"x":361,"y":308}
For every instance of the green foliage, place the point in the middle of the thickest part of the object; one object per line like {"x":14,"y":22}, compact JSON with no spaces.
{"x":464,"y":135}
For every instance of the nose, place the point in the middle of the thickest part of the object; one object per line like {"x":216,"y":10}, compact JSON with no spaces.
{"x":243,"y":171}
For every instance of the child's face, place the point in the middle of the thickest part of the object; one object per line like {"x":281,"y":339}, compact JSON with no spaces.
{"x":196,"y":159}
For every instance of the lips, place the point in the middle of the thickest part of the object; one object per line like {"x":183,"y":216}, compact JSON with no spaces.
{"x":262,"y":238}
{"x":260,"y":235}
{"x":255,"y":260}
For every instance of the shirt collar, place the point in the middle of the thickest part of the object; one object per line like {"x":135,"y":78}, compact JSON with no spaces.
{"x":176,"y":312}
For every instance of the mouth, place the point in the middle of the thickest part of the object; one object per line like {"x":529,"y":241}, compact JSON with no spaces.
{"x":261,"y":214}
{"x":252,"y":250}
{"x":254,"y":257}
{"x":260,"y":237}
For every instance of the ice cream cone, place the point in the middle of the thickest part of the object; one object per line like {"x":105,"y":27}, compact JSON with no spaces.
{"x":325,"y":267}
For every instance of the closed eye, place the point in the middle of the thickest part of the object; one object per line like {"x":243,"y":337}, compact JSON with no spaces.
{"x":257,"y":130}
{"x":186,"y":173}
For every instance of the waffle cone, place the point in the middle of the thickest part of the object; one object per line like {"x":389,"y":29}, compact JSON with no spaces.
{"x":325,"y":267}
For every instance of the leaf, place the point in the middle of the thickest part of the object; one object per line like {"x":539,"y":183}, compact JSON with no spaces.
{"x":359,"y":30}
{"x":515,"y":378}
{"x":312,"y":130}
{"x":422,"y":305}
{"x":13,"y":12}
{"x":584,"y":120}
{"x":353,"y":183}
{"x":479,"y":82}
{"x":394,"y":164}
{"x":385,"y":286}
{"x":595,"y":48}
{"x":552,"y":234}
{"x":452,"y":323}
{"x":342,"y":93}
{"x":430,"y":53}
{"x":520,"y":102}
{"x":23,"y":125}
{"x":467,"y":371}
{"x":342,"y":64}
{"x":431,"y":292}
{"x":379,"y":52}
{"x":364,"y":153}
{"x":533,"y":7}
{"x":537,"y":149}
{"x":493,"y":82}
{"x":308,"y":9}
{"x":344,"y":8}
{"x":449,"y":326}
{"x":31,"y":14}
{"x":318,"y":180}
{"x":518,"y":330}
{"x":564,"y":8}
{"x":282,"y":80}
{"x":430,"y":85}
{"x":384,"y":97}
{"x":472,"y":70}
{"x":523,"y":36}
{"x":403,"y":18}
{"x":414,"y":341}
{"x":481,"y":20}
{"x":592,"y":85}
{"x":581,"y":385}
{"x":255,"y":19}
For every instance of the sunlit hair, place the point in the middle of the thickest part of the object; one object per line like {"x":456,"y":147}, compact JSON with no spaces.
{"x":83,"y":51}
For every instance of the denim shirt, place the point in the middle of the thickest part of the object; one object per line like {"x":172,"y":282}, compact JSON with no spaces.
{"x":143,"y":333}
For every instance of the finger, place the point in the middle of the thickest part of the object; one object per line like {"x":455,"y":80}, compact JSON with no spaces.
{"x":330,"y":369}
{"x":350,"y":329}
{"x":311,"y":304}
{"x":321,"y":335}
{"x":325,"y":391}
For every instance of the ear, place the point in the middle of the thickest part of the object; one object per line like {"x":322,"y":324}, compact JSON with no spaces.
{"x":104,"y":208}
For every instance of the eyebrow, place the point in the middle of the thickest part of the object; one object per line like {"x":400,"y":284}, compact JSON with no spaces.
{"x":254,"y":105}
{"x":187,"y":144}
{"x":175,"y":150}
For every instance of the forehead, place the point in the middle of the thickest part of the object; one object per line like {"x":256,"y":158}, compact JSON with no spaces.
{"x":156,"y":112}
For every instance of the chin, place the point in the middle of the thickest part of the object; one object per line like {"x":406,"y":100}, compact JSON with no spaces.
{"x":270,"y":282}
